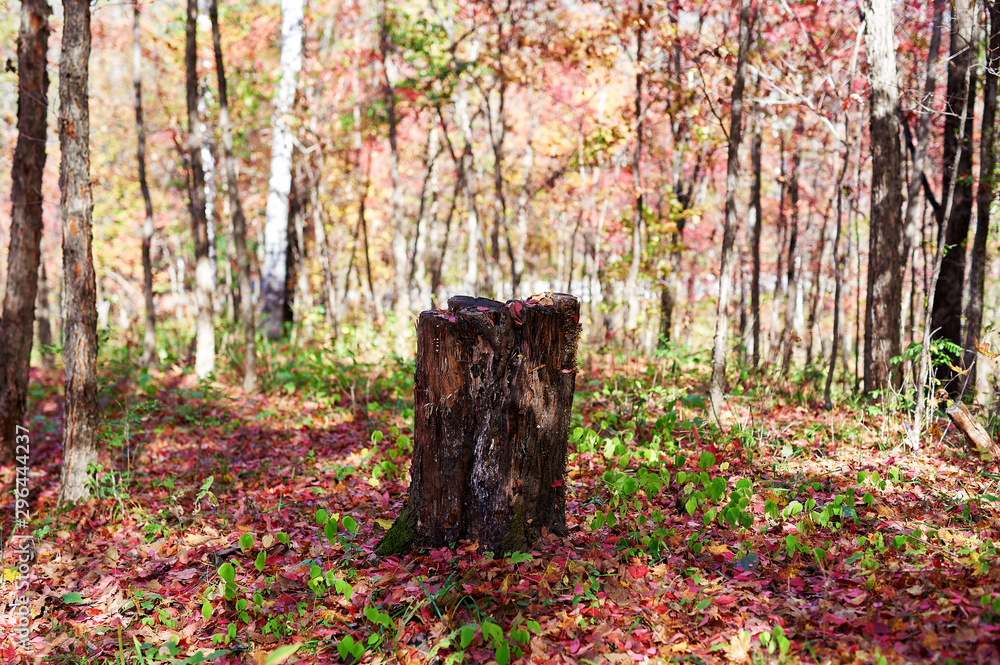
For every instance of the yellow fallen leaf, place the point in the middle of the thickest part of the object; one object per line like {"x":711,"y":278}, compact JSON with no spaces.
{"x":718,"y":549}
{"x":739,"y":647}
{"x":385,"y":524}
{"x":9,"y":574}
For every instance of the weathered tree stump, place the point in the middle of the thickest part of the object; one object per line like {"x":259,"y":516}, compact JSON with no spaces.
{"x":492,"y":399}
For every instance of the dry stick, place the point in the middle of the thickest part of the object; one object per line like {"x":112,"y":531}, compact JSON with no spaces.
{"x":914,"y":433}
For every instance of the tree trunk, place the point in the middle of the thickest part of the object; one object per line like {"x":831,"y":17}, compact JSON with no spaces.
{"x":399,"y":253}
{"x":149,"y":357}
{"x":721,"y":341}
{"x":984,"y":198}
{"x":946,"y":317}
{"x":780,"y":285}
{"x":885,"y":275}
{"x":325,"y":252}
{"x":275,"y":291}
{"x":80,"y":426}
{"x":792,"y":299}
{"x":236,"y":210}
{"x":818,"y":292}
{"x":426,"y":221}
{"x":632,"y":298}
{"x":839,"y":259}
{"x":44,"y":319}
{"x":498,"y":134}
{"x":492,"y":397}
{"x":523,"y":197}
{"x":17,"y":324}
{"x":757,"y":223}
{"x":204,"y":363}
{"x":910,"y":234}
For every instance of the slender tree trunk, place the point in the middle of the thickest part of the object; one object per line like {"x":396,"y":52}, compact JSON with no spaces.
{"x":780,"y":278}
{"x":426,"y":219}
{"x":43,"y":316}
{"x":792,"y":301}
{"x":236,"y":210}
{"x":205,"y":328}
{"x":399,"y":253}
{"x":521,"y":219}
{"x":632,"y":280}
{"x":838,"y":267}
{"x":756,"y":224}
{"x":17,"y":324}
{"x":149,"y":357}
{"x":721,"y":341}
{"x":274,"y":278}
{"x":984,"y":198}
{"x":80,"y":425}
{"x":817,"y":287}
{"x":911,"y":231}
{"x":838,"y":258}
{"x":932,"y":287}
{"x":946,"y":317}
{"x":498,"y":135}
{"x":885,"y":276}
{"x":325,"y":252}
{"x":361,"y":178}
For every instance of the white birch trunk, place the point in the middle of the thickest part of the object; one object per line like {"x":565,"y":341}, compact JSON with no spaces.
{"x":280,"y":183}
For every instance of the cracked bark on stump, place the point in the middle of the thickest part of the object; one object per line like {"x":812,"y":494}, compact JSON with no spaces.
{"x":492,"y":399}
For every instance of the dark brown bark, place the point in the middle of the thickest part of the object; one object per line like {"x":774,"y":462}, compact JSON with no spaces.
{"x":17,"y":324}
{"x":205,"y":357}
{"x":885,"y":274}
{"x":492,"y":397}
{"x":946,"y":315}
{"x":247,"y":317}
{"x":720,"y":344}
{"x":80,"y":426}
{"x":984,"y":198}
{"x":149,"y":337}
{"x":755,"y":208}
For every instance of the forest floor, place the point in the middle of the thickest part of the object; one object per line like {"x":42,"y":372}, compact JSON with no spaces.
{"x":241,"y":529}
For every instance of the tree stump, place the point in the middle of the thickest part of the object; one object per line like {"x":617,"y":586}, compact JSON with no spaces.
{"x":492,"y":398}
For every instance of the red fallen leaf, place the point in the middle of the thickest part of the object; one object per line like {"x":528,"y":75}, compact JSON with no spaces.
{"x":727,"y":599}
{"x":557,"y":483}
{"x":638,"y":572}
{"x":483,"y":309}
{"x":834,"y":619}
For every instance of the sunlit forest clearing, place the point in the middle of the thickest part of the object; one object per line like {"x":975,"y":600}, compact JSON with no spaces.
{"x":446,"y":331}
